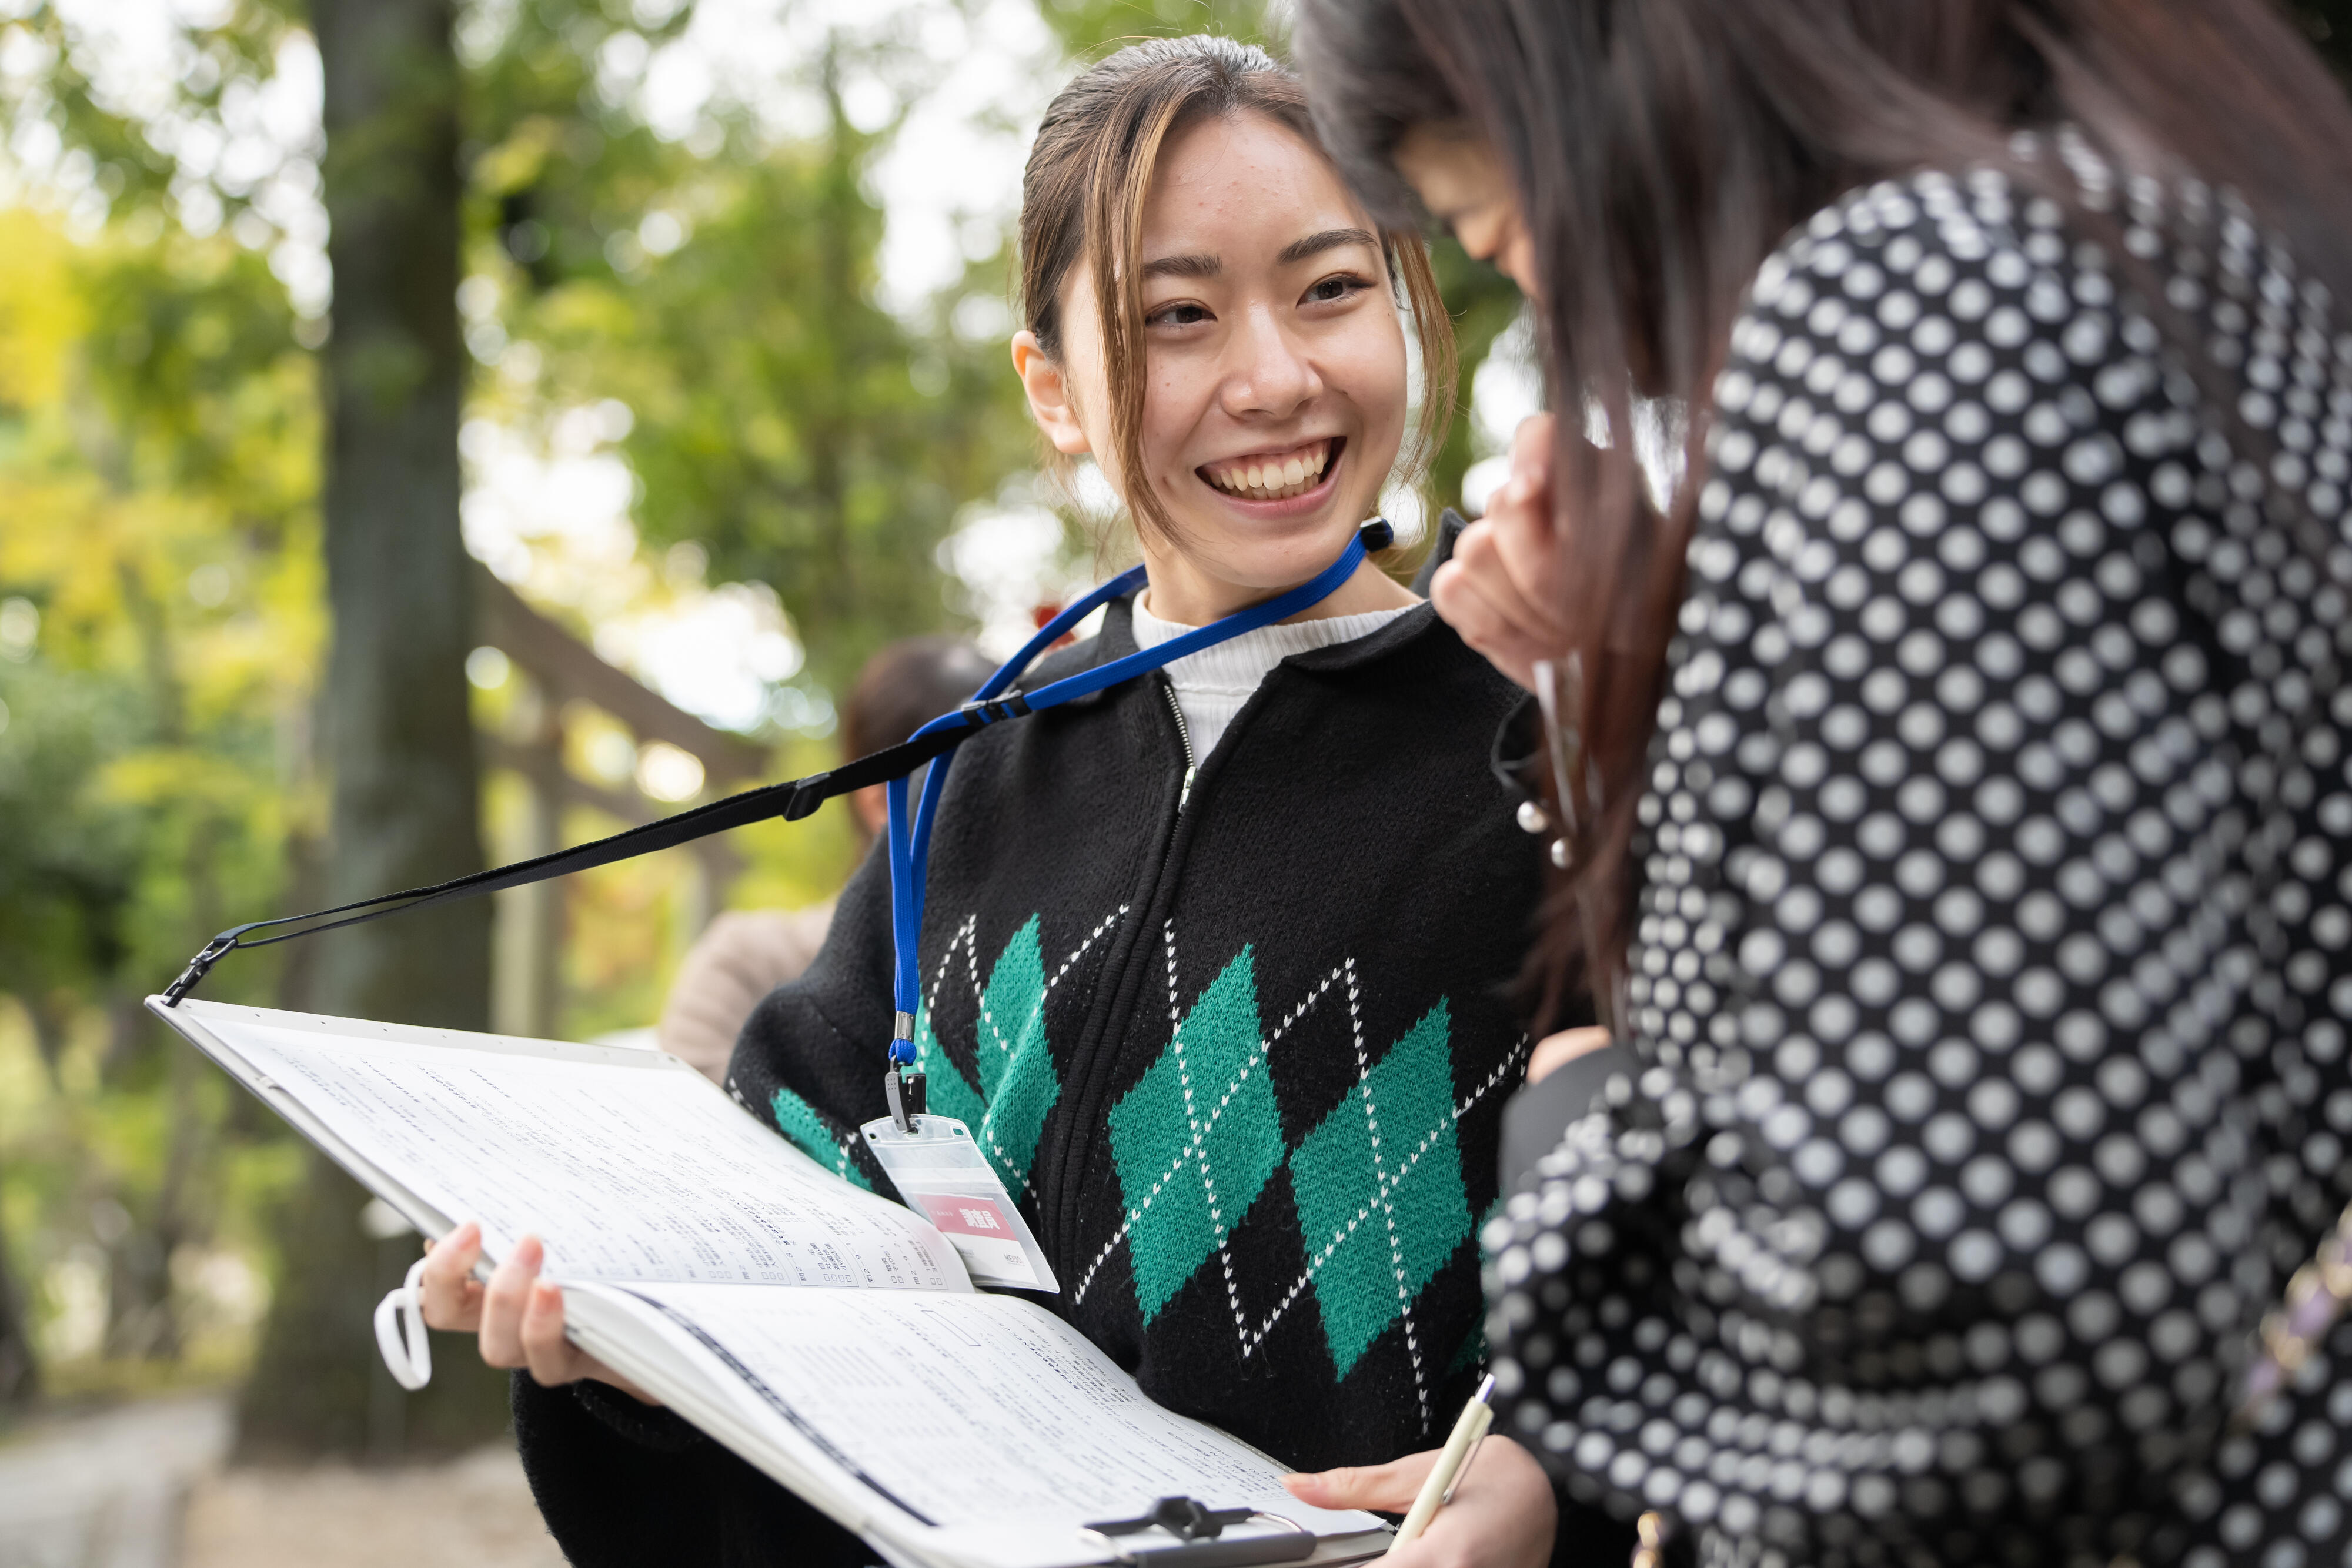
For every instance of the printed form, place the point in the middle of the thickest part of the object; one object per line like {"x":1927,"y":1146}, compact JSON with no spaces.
{"x":987,"y":1409}
{"x":949,"y":1427}
{"x":625,"y":1172}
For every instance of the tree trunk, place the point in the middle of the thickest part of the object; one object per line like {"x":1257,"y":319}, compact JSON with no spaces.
{"x":399,"y":747}
{"x":18,"y":1379}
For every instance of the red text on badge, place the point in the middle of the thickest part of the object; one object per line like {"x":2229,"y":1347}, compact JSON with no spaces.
{"x":957,"y":1215}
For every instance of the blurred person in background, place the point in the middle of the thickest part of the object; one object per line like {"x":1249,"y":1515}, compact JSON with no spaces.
{"x":1952,"y":775}
{"x":745,"y":953}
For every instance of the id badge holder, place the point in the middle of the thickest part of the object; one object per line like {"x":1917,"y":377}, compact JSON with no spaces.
{"x":942,"y":1174}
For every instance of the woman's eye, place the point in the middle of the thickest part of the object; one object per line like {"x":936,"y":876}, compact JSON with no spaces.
{"x":1177,"y":316}
{"x":1330,"y":290}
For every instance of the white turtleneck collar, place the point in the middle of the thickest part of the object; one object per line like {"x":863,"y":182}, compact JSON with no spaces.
{"x":1212,"y":684}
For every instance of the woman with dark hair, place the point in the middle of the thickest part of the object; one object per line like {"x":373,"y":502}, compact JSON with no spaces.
{"x":1950,"y":779}
{"x":1214,"y":962}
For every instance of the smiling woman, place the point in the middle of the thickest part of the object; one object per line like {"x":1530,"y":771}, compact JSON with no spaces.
{"x":1179,"y":212}
{"x":1213,"y":962}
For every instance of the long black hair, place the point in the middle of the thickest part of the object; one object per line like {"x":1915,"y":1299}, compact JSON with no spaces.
{"x":1661,"y":148}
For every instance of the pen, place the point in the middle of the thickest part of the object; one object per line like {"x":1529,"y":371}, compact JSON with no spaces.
{"x":1469,"y":1433}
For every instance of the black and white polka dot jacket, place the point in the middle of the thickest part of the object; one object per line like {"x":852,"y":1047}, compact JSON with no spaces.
{"x":1991,"y":969}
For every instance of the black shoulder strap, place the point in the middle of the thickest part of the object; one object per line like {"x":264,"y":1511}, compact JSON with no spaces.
{"x":792,"y":802}
{"x":801,"y":796}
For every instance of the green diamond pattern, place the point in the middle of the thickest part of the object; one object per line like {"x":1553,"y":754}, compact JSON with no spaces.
{"x":805,"y":1128}
{"x":1380,"y":1192}
{"x":946,"y":1092}
{"x":1017,"y":1086}
{"x":1196,"y":1140}
{"x":1377,"y":1183}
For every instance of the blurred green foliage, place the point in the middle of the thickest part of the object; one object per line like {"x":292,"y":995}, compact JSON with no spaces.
{"x":1093,"y":28}
{"x":158,"y":621}
{"x":723,"y":288}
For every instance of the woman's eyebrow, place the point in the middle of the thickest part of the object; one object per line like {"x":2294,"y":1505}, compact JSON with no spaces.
{"x":1195,"y":266}
{"x":1202,"y":265}
{"x":1316,"y":243}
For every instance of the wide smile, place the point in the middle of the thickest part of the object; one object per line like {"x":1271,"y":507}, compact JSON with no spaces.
{"x":1289,"y":474}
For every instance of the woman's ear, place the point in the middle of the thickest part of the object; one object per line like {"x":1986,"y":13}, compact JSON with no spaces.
{"x":1048,"y":390}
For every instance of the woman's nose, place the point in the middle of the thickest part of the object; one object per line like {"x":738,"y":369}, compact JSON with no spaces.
{"x":1268,"y":371}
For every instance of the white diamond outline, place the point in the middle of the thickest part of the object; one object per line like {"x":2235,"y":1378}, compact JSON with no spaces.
{"x":1177,"y":1162}
{"x":967,"y":936}
{"x":1249,"y":1339}
{"x":1517,"y":1058}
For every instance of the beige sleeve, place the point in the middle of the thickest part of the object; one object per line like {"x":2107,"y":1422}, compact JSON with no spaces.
{"x":740,"y":957}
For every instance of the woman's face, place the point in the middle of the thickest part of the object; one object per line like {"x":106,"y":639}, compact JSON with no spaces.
{"x":1464,"y":185}
{"x":1276,"y":363}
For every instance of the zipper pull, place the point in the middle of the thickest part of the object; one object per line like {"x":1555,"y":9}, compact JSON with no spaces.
{"x":1184,"y":738}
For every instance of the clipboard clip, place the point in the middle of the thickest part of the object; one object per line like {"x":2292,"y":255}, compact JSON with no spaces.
{"x":1179,"y":1517}
{"x":198,"y":968}
{"x":1197,"y":1527}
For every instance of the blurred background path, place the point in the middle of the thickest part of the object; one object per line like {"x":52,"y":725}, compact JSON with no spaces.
{"x":146,"y":1486}
{"x":106,"y":1490}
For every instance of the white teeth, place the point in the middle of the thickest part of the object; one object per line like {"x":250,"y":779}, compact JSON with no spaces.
{"x":1276,"y":481}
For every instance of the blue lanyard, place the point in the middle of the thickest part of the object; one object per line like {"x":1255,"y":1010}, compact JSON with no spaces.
{"x":997,"y":700}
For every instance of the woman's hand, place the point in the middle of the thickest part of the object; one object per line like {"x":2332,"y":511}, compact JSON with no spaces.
{"x":1501,"y":590}
{"x":1503,"y":1514}
{"x":519,"y":1315}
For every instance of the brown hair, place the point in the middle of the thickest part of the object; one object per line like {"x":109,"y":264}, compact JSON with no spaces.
{"x":1660,"y":151}
{"x":1083,"y":193}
